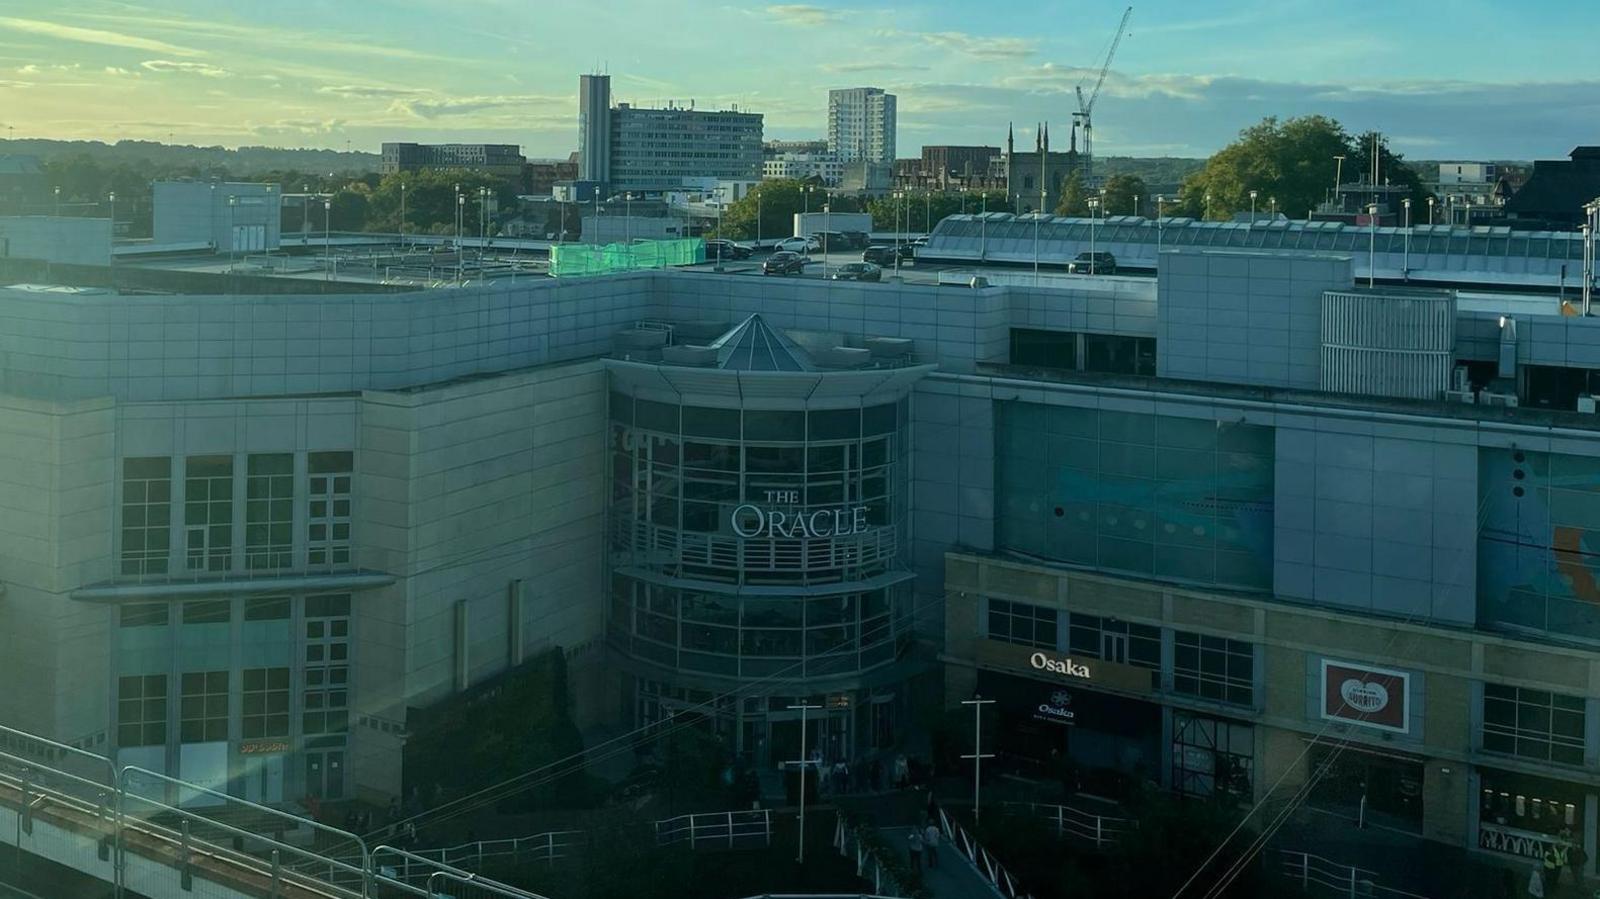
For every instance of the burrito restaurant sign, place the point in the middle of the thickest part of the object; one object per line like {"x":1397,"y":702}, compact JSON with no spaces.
{"x":778,"y":518}
{"x":1378,"y":698}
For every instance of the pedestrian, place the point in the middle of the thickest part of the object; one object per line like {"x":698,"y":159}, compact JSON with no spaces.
{"x":1536,"y":883}
{"x":1576,"y":858}
{"x":930,"y":840}
{"x":902,"y":771}
{"x":915,"y":844}
{"x":1553,"y":861}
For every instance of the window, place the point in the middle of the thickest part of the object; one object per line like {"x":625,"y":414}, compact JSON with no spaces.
{"x":203,"y":710}
{"x":1023,"y":624}
{"x":328,"y":521}
{"x":1213,"y":668}
{"x":142,"y":710}
{"x":209,"y":611}
{"x":208,"y":513}
{"x":266,"y":702}
{"x":1211,"y":756}
{"x":1115,"y":641}
{"x":149,"y":614}
{"x":266,"y":608}
{"x":1534,"y":724}
{"x":327,"y":672}
{"x":146,"y":515}
{"x":269,"y":511}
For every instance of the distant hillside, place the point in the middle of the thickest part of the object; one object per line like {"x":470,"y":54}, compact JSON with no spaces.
{"x":152,"y":155}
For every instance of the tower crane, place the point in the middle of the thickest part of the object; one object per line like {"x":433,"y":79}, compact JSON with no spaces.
{"x":1084,"y":115}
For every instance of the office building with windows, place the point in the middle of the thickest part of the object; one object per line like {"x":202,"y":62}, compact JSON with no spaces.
{"x":861,"y":125}
{"x":628,"y":148}
{"x":1257,"y":526}
{"x":500,"y":160}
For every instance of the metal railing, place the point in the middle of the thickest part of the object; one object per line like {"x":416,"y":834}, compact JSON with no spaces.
{"x":847,"y":838}
{"x":419,"y":875}
{"x":548,"y":847}
{"x":187,"y":827}
{"x":981,"y":859}
{"x":1320,"y":877}
{"x":1099,"y":830}
{"x":747,"y":829}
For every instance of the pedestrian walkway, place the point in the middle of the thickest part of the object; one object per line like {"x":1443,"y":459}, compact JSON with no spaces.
{"x":954,"y":878}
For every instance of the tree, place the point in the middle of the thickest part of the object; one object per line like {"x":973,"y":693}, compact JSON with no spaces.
{"x":1122,"y":193}
{"x":1292,"y":162}
{"x":430,"y":200}
{"x":1074,"y":200}
{"x":777,"y":201}
{"x":1392,"y":167}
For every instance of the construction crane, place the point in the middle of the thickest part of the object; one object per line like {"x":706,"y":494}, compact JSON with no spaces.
{"x":1083,"y":117}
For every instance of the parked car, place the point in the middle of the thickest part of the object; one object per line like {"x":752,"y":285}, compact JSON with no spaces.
{"x":729,"y":249}
{"x":884,"y":254}
{"x":798,"y":245}
{"x":832,"y":241}
{"x":784,"y":262}
{"x":858,"y":271}
{"x":858,"y":240}
{"x":919,"y":242}
{"x":1101,"y":263}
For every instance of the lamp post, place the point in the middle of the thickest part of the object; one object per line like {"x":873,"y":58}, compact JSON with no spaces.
{"x":1272,"y":208}
{"x":927,"y":212}
{"x":1135,"y":204}
{"x":112,"y":198}
{"x":1338,"y":175}
{"x":1372,"y":242}
{"x":233,"y":233}
{"x":720,"y":238}
{"x":327,"y":242}
{"x":1430,"y":210}
{"x":758,"y":219}
{"x":1253,"y":207}
{"x":1208,"y":205}
{"x":627,"y":216}
{"x":827,"y":223}
{"x":983,"y":226}
{"x":977,"y":754}
{"x":1405,"y":265}
{"x":403,"y":214}
{"x":1094,"y":219}
{"x":802,"y":762}
{"x":1161,"y":199}
{"x":461,"y":211}
{"x":1036,"y":217}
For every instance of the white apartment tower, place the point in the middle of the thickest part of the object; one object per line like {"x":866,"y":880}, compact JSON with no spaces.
{"x":861,"y":124}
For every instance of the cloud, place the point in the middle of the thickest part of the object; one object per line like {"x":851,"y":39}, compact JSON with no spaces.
{"x":367,"y":92}
{"x":29,"y":69}
{"x":802,"y":14}
{"x":432,"y":108}
{"x":977,"y":46}
{"x":845,"y":68}
{"x":300,"y":126}
{"x":94,"y":36}
{"x":120,"y":71}
{"x":203,"y":69}
{"x":16,"y":84}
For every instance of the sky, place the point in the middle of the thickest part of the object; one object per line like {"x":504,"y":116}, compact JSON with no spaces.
{"x":1466,"y":79}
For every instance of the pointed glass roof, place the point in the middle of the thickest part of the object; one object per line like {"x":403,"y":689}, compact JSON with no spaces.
{"x":753,"y":345}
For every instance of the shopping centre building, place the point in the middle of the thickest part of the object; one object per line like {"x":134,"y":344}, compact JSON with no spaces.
{"x":1253,"y":525}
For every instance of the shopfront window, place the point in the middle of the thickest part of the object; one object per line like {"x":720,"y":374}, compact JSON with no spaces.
{"x":1212,"y":756}
{"x":1188,"y":500}
{"x":1022,"y":624}
{"x":146,"y":515}
{"x":1535,"y":724}
{"x":1521,"y":815}
{"x":1213,"y":668}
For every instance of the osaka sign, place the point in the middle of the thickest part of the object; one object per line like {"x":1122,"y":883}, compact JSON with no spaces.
{"x":751,"y":521}
{"x":1366,"y":696}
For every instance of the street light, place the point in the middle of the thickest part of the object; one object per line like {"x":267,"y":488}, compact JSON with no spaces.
{"x":1253,"y":207}
{"x":1430,"y":210}
{"x":1036,"y":217}
{"x":402,"y":213}
{"x":461,"y":212}
{"x":1405,"y":265}
{"x":113,"y":198}
{"x":983,"y":226}
{"x":1272,"y":208}
{"x":1160,"y":200}
{"x":1094,"y":219}
{"x":1338,"y":174}
{"x":1372,"y":242}
{"x":1208,"y":205}
{"x":827,"y":223}
{"x":327,"y":243}
{"x":758,"y":219}
{"x":233,"y":232}
{"x":977,"y":755}
{"x":1135,"y":204}
{"x":802,"y":762}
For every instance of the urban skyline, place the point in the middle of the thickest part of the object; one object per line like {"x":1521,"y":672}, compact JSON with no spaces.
{"x":1183,"y":82}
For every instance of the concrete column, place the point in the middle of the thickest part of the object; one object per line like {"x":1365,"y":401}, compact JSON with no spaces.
{"x":514,"y":601}
{"x":461,"y":645}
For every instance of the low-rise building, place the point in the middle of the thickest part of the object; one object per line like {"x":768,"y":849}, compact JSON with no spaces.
{"x":499,"y":160}
{"x":225,"y":215}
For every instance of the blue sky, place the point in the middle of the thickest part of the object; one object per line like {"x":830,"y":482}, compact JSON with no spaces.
{"x":1445,"y":78}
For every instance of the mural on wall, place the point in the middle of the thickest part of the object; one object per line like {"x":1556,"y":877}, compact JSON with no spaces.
{"x":1180,"y":498}
{"x":1539,"y":543}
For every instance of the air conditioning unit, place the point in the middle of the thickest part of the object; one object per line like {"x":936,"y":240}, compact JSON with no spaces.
{"x":1499,"y":399}
{"x":1460,"y":396}
{"x":1458,"y":380}
{"x":1586,"y":404}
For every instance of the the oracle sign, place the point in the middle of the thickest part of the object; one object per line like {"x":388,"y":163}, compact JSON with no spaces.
{"x":1366,"y":696}
{"x":752,"y":521}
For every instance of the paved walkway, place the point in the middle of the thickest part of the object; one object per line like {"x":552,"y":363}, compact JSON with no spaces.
{"x":954,"y":878}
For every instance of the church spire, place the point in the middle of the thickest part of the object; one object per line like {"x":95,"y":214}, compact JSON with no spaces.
{"x":1047,"y":137}
{"x":1038,"y":137}
{"x":1011,"y":140}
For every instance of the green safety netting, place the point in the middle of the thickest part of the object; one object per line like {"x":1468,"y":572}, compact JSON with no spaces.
{"x":570,"y":259}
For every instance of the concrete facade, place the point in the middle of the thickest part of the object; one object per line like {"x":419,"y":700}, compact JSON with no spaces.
{"x":228,"y":216}
{"x":74,"y":241}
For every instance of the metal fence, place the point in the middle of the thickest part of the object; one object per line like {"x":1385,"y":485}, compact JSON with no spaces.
{"x":1068,"y":822}
{"x":1318,"y":876}
{"x":732,"y":830}
{"x":848,"y":839}
{"x":181,"y":831}
{"x":986,"y":864}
